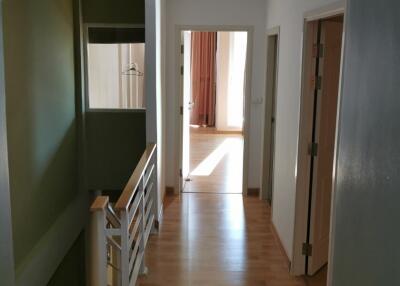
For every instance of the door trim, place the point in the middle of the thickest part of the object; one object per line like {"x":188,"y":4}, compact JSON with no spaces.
{"x":247,"y":97}
{"x":298,"y":264}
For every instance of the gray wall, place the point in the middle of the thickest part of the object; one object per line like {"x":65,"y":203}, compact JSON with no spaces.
{"x":48,"y":210}
{"x":6,"y":243}
{"x":40,"y":93}
{"x":367,"y":213}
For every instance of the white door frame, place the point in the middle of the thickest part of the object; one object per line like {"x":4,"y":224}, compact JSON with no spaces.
{"x":247,"y":97}
{"x":298,"y":261}
{"x":6,"y":242}
{"x":270,"y":99}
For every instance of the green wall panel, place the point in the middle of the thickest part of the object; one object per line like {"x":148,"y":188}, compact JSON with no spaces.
{"x":115,"y":142}
{"x":71,"y":271}
{"x":116,"y":11}
{"x":40,"y":103}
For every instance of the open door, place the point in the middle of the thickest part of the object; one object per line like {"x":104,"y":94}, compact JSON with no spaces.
{"x":269,"y":121}
{"x":330,"y":49}
{"x":186,"y":104}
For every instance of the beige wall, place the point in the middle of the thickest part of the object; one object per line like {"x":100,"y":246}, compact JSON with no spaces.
{"x":223,"y":50}
{"x":228,"y":72}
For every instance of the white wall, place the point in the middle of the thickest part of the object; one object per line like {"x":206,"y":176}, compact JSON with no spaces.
{"x":217,"y":12}
{"x":231,"y":54}
{"x":288,"y":14}
{"x":154,"y":86}
{"x":104,"y":76}
{"x":161,"y":94}
{"x":222,"y":79}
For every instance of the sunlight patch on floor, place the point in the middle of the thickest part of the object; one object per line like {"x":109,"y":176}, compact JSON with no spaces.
{"x":208,"y":165}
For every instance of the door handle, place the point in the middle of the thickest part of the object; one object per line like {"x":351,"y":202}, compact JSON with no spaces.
{"x":190,"y":105}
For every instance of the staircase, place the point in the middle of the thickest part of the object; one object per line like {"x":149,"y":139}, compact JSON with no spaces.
{"x":120,"y":231}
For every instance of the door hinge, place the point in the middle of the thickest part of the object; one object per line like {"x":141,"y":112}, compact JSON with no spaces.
{"x":180,"y":173}
{"x":182,"y":49}
{"x":181,"y":110}
{"x":313,"y":149}
{"x":307,"y":249}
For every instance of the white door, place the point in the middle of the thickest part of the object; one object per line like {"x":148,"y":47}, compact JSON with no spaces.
{"x":325,"y":128}
{"x":186,"y":106}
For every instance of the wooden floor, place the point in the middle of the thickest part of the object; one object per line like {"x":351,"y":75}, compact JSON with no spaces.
{"x":216,"y":162}
{"x":216,"y":239}
{"x":210,"y":237}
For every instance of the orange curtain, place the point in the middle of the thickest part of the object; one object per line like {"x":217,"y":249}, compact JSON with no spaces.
{"x":203,"y":73}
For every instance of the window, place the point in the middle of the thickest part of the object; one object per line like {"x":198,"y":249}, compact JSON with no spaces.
{"x":115,"y":68}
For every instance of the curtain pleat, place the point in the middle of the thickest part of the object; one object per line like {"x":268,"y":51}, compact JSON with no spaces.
{"x":203,"y":73}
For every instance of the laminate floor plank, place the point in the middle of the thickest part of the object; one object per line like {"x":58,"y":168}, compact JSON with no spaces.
{"x":216,"y":162}
{"x":214,"y":239}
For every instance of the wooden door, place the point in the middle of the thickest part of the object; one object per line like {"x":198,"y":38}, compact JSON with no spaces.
{"x":324,"y":135}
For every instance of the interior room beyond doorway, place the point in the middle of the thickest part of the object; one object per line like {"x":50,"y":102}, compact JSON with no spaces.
{"x":214,"y":65}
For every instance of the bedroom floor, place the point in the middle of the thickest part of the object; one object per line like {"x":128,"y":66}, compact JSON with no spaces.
{"x":216,"y":162}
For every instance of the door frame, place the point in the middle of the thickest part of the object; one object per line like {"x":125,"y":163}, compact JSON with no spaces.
{"x":270,"y":99}
{"x":7,"y":271}
{"x":247,"y":96}
{"x":298,"y":261}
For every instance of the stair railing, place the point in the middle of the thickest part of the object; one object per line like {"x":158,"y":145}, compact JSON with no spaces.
{"x":120,"y":231}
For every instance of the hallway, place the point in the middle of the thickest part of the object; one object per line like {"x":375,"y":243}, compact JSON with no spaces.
{"x":214,"y":239}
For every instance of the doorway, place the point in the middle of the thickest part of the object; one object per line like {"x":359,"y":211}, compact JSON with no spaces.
{"x":213,"y":82}
{"x":317,"y":137}
{"x":270,"y":114}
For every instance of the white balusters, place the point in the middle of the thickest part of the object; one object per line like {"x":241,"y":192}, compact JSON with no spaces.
{"x":98,"y":274}
{"x":126,"y":230}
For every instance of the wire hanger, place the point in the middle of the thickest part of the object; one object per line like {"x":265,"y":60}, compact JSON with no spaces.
{"x":132,"y":70}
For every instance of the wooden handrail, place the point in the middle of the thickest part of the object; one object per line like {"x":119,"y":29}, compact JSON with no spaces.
{"x":99,"y":204}
{"x":126,"y":227}
{"x":133,"y":183}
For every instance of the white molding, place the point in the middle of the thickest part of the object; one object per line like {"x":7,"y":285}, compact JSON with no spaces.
{"x":248,"y":93}
{"x":334,"y":9}
{"x":275,"y":31}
